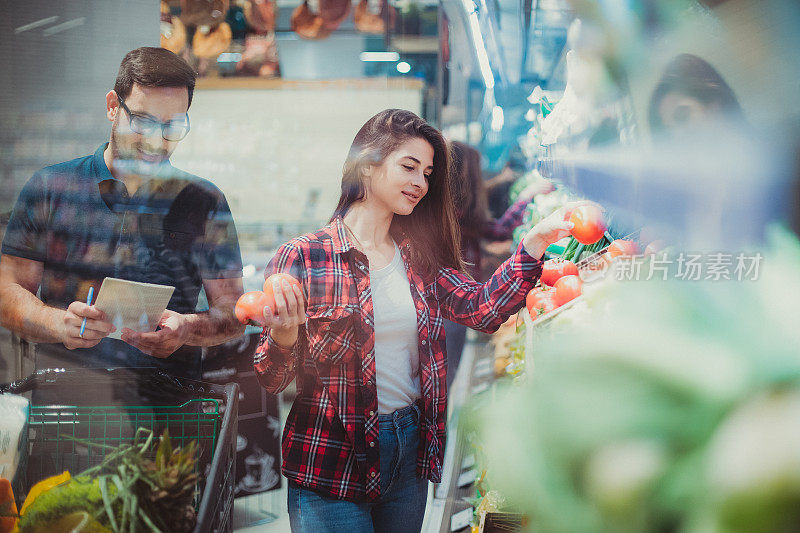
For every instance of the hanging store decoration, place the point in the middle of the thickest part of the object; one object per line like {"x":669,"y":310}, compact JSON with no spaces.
{"x":371,"y":16}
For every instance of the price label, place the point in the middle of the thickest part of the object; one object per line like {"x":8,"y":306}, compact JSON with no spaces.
{"x":467,"y":478}
{"x":461,"y":520}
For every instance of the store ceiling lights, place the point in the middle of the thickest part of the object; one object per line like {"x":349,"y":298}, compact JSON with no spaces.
{"x":478,"y":44}
{"x":403,"y":67}
{"x":229,"y":57}
{"x":388,"y":57}
{"x":498,"y":118}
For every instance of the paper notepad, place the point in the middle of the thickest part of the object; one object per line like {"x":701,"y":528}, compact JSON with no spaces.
{"x":133,"y":305}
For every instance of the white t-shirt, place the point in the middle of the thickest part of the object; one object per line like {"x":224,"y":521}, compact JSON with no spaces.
{"x":396,"y":336}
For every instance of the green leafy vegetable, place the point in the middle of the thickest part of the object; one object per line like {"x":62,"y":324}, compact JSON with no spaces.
{"x":135,"y":488}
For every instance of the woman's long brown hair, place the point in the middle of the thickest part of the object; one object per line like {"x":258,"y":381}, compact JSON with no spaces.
{"x":432,"y":227}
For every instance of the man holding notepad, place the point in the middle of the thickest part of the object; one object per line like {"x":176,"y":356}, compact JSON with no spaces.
{"x":125,"y":213}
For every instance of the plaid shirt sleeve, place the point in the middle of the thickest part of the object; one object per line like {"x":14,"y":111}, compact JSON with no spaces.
{"x":485,"y":306}
{"x":502,"y":229}
{"x":275,"y":366}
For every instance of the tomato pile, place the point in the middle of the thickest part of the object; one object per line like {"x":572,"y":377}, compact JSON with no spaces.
{"x":559,"y":284}
{"x":553,"y":269}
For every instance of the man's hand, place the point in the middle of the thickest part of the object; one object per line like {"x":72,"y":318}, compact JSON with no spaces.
{"x":173,"y":333}
{"x":97,"y":326}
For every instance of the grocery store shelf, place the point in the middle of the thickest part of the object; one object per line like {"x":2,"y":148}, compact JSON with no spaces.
{"x":472,"y":377}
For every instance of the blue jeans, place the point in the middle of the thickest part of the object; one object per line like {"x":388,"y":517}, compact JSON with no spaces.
{"x":401,"y":507}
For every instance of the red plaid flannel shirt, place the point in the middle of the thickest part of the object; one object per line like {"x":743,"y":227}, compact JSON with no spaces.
{"x":330,"y":442}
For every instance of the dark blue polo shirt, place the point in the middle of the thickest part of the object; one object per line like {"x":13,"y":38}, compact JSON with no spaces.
{"x":81,"y":224}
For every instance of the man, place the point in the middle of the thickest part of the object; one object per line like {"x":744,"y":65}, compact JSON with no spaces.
{"x":124,"y":212}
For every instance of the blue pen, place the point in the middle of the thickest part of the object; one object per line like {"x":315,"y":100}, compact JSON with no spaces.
{"x":88,"y":302}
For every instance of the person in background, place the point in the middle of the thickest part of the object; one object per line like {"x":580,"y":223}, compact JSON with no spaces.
{"x":124,"y":212}
{"x":498,"y":187}
{"x":692,"y":94}
{"x":363,"y":333}
{"x":476,"y":225}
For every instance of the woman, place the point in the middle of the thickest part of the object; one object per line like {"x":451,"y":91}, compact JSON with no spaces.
{"x":364,"y":336}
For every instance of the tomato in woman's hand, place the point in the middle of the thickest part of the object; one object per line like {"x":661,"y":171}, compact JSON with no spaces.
{"x":589,"y":226}
{"x":567,"y":288}
{"x":540,"y":301}
{"x":281,"y":277}
{"x":553,"y":269}
{"x":250,"y":307}
{"x":622,"y":247}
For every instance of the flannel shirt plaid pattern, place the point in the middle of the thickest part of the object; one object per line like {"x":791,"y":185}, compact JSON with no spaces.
{"x":330,"y":442}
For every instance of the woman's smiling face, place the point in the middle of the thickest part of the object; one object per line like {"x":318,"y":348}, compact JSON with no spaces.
{"x":401,"y":181}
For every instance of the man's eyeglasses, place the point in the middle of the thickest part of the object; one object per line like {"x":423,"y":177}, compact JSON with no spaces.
{"x":173,"y":130}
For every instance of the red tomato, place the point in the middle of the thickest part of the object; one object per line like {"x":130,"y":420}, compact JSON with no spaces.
{"x":654,"y":247}
{"x":589,"y":224}
{"x":567,"y":288}
{"x":546,"y":306}
{"x":251,"y":307}
{"x":539,"y":301}
{"x":554,"y":269}
{"x":280,"y":276}
{"x":621,"y":247}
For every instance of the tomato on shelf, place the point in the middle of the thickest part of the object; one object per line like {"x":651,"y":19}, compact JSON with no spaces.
{"x":553,"y":269}
{"x":547,"y":306}
{"x":655,"y":247}
{"x":623,"y":248}
{"x":567,"y":289}
{"x":589,"y":226}
{"x":540,"y":301}
{"x":250,"y":307}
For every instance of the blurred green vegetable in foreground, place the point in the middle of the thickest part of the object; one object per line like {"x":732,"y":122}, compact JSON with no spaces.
{"x":673,"y":406}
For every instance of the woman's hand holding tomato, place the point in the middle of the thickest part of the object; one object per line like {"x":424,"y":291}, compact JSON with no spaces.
{"x":288,"y":311}
{"x":552,"y":228}
{"x":589,"y":225}
{"x":279,"y":307}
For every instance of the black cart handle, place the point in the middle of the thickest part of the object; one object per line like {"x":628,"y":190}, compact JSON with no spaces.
{"x":54,"y":377}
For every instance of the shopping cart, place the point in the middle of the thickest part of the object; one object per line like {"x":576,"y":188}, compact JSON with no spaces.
{"x":57,"y":434}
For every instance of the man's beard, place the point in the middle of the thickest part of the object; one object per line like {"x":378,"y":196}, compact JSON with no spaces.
{"x":128,"y":160}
